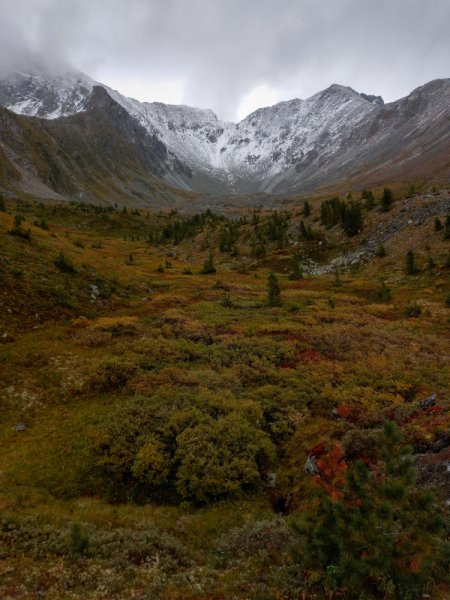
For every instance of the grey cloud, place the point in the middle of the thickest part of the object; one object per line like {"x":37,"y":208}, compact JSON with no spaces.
{"x":222,"y":49}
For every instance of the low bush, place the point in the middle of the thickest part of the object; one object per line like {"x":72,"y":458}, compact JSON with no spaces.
{"x":256,"y":537}
{"x":413,"y":309}
{"x":64,"y":264}
{"x":113,"y":374}
{"x":181,"y":445}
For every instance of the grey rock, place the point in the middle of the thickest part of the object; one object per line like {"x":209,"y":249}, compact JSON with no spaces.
{"x":427,"y":402}
{"x":335,"y":415}
{"x":20,"y":427}
{"x":271,"y":479}
{"x":311,"y":467}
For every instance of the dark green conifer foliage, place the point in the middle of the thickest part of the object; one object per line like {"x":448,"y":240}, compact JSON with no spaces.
{"x":306,"y":209}
{"x":303,"y":231}
{"x":63,"y":263}
{"x":78,"y":543}
{"x":17,"y":220}
{"x":369,"y":203}
{"x":381,"y":250}
{"x":273,"y":291}
{"x":383,"y":294}
{"x":411,"y":268}
{"x":438,"y":224}
{"x":378,"y":537}
{"x":352,"y":219}
{"x":296,"y":272}
{"x":331,"y":212}
{"x":447,"y":228}
{"x":387,"y":199}
{"x":259,"y":250}
{"x":208,"y":265}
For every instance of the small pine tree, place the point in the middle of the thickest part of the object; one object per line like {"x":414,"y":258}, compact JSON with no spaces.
{"x":387,"y":199}
{"x":438,"y":224}
{"x":17,"y":221}
{"x":130,"y":258}
{"x":367,"y":195}
{"x":431,"y":262}
{"x":303,"y":230}
{"x":447,"y":261}
{"x":296,"y":272}
{"x":208,"y":265}
{"x":383,"y":294}
{"x":227,"y":302}
{"x":337,"y":279}
{"x":411,"y":268}
{"x":160,"y":269}
{"x":447,"y":228}
{"x":63,"y":263}
{"x":411,"y":192}
{"x":78,"y":543}
{"x":306,"y":209}
{"x":371,"y":529}
{"x":2,"y":203}
{"x":273,"y":290}
{"x":381,"y":250}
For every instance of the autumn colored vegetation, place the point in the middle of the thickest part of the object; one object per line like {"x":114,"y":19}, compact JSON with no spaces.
{"x":166,"y":376}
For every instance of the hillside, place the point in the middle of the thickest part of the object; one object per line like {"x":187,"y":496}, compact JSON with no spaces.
{"x":157,"y":419}
{"x":95,"y":155}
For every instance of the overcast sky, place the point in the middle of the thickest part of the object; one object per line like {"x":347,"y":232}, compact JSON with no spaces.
{"x":234,"y":56}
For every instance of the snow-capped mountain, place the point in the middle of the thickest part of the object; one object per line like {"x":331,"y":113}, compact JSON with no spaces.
{"x":223,"y":157}
{"x":294,"y":145}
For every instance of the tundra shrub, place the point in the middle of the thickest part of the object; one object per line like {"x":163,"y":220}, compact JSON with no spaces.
{"x":64,"y":264}
{"x":182,"y":445}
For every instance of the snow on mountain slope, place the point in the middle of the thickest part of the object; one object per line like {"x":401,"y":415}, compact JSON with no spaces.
{"x":270,"y":150}
{"x":40,"y":93}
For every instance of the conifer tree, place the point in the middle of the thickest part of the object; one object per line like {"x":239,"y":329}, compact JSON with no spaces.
{"x":447,"y":228}
{"x":208,"y":265}
{"x":387,"y":199}
{"x":296,"y":272}
{"x":303,"y":231}
{"x":411,"y":268}
{"x":371,"y":532}
{"x":306,"y":209}
{"x":367,"y":195}
{"x":352,"y":219}
{"x":273,"y":290}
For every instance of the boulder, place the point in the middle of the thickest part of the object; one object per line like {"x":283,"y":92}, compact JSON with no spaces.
{"x":311,"y":467}
{"x":427,"y":402}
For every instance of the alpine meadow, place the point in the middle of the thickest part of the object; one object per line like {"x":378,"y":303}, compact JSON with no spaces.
{"x":224,"y":347}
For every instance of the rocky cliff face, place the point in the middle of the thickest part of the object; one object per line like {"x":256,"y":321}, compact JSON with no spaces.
{"x":337,"y":135}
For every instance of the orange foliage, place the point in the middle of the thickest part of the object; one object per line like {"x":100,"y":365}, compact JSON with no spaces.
{"x":332,"y":469}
